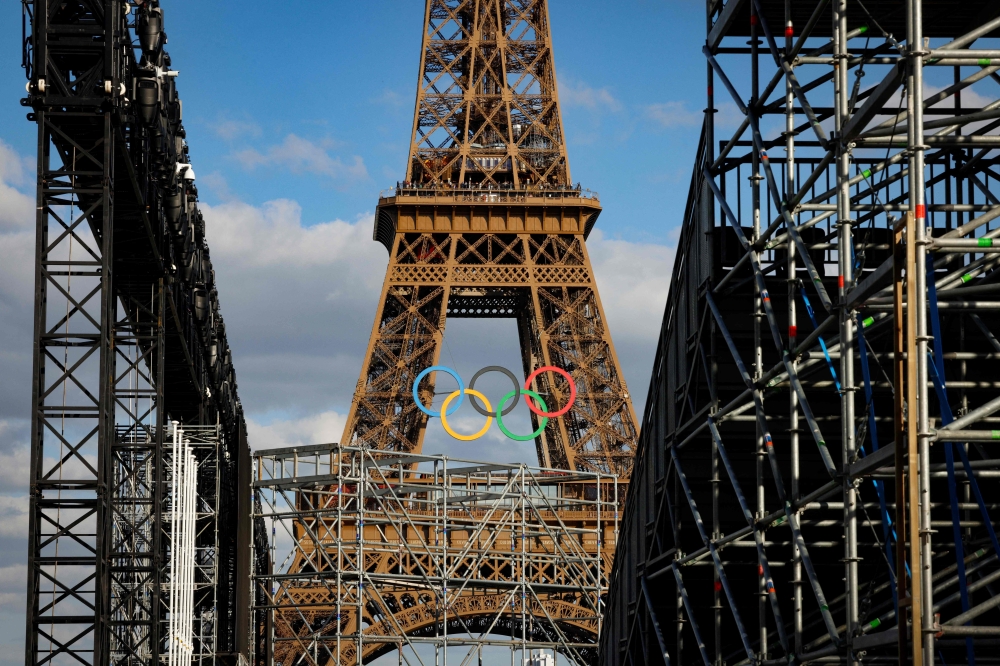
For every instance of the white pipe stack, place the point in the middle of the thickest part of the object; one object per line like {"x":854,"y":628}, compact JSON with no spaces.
{"x":183,"y":484}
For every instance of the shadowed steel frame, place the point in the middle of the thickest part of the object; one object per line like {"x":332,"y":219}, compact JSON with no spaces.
{"x":127,"y":336}
{"x":815,"y":460}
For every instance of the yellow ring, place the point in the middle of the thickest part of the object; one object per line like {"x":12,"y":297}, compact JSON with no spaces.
{"x":444,"y":416}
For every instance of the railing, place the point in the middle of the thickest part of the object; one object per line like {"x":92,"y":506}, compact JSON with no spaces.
{"x":491,"y":195}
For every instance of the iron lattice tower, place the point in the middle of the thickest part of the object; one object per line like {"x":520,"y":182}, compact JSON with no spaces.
{"x":812,"y":482}
{"x":485,"y":225}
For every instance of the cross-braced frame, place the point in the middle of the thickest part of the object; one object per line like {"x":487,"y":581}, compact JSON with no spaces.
{"x":814,"y":479}
{"x":372,"y":553}
{"x":127,"y":337}
{"x":487,"y":109}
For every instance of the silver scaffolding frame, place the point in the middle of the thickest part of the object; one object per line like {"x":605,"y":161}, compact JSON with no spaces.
{"x":434,"y":526}
{"x":776,"y":449}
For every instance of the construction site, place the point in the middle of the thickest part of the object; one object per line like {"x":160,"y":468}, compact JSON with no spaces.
{"x":812,"y":479}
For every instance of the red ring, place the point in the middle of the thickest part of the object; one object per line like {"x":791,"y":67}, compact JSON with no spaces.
{"x":572,"y":391}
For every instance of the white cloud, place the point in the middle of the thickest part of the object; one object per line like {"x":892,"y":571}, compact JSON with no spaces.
{"x":17,"y":243}
{"x":12,"y":584}
{"x":230,"y":129}
{"x":728,"y":116}
{"x":15,"y":460}
{"x":273,"y":235}
{"x":299,"y":302}
{"x":577,"y":93}
{"x":14,"y":168}
{"x":17,"y":259}
{"x":633,"y":280}
{"x":17,"y":209}
{"x":389,"y":98}
{"x":673,"y":114}
{"x":13,"y":516}
{"x":304,"y":156}
{"x":322,"y":428}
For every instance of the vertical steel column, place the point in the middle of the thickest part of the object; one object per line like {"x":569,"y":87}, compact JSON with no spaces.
{"x":72,"y":420}
{"x":758,"y":313}
{"x":915,"y":49}
{"x":71,"y":352}
{"x":845,"y":281}
{"x":716,"y":583}
{"x":158,"y":430}
{"x":709,"y":204}
{"x":913,"y":476}
{"x":359,"y":536}
{"x":900,"y":429}
{"x":793,"y":398}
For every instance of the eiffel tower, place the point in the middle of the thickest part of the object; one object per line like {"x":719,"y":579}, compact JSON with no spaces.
{"x":485,"y":224}
{"x":488,"y":224}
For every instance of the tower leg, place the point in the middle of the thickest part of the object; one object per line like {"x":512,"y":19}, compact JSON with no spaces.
{"x":406,"y":338}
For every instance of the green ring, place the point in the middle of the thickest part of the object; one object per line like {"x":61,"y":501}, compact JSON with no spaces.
{"x":521,"y":438}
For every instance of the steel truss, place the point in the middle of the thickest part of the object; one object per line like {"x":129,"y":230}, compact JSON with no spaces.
{"x":128,"y":336}
{"x":372,"y":554}
{"x":545,"y":282}
{"x":487,"y":107}
{"x":815,"y":458}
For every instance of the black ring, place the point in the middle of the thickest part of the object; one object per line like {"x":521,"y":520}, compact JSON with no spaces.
{"x":494,"y":368}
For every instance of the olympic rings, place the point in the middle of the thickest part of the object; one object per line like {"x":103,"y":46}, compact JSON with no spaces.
{"x":444,"y":415}
{"x":494,"y":368}
{"x":500,"y":413}
{"x":461,"y":389}
{"x":447,"y":408}
{"x":572,"y":391}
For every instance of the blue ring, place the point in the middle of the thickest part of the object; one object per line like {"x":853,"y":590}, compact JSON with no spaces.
{"x":441,"y":368}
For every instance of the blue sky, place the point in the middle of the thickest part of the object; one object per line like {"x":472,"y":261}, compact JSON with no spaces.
{"x":297,"y":115}
{"x":342,"y":77}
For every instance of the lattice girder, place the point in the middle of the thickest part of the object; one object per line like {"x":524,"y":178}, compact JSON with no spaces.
{"x":547,"y":278}
{"x":487,"y":106}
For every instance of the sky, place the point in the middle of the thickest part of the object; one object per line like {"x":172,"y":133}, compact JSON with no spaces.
{"x":297,"y":115}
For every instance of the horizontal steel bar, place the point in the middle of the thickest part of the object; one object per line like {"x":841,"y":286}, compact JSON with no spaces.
{"x":967,"y":436}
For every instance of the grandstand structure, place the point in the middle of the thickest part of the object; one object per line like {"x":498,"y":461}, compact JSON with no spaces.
{"x":816,"y":477}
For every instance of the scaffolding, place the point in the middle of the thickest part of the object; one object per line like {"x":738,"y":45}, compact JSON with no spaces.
{"x":815,"y":479}
{"x":191,"y":531}
{"x":128,"y":337}
{"x":501,"y":556}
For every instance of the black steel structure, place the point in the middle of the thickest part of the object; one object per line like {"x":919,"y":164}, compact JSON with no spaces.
{"x":816,"y":479}
{"x":128,"y":338}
